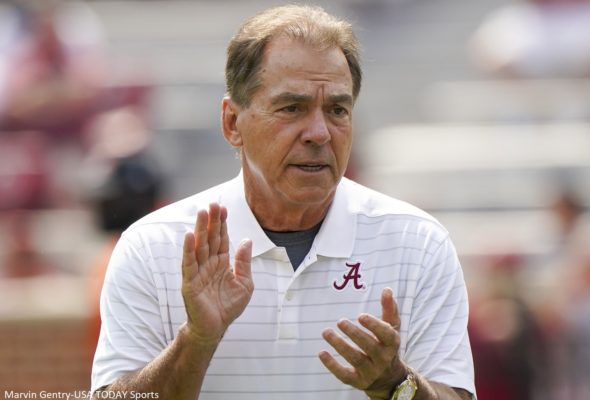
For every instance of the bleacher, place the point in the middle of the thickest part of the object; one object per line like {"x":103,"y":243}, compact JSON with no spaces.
{"x":491,"y":163}
{"x":477,"y":176}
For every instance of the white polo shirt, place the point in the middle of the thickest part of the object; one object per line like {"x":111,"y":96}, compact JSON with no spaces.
{"x":367,"y":242}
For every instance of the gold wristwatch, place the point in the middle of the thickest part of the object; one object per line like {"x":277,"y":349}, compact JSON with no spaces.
{"x":405,"y":390}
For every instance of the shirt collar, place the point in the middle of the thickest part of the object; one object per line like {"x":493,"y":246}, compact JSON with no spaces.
{"x":241,"y":222}
{"x":335,"y":238}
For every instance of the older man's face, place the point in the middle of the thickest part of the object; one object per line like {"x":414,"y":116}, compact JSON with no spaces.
{"x":297,"y":132}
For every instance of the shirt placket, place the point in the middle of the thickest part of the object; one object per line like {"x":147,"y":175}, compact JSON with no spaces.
{"x":287,"y":315}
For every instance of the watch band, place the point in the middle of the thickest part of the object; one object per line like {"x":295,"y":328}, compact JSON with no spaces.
{"x":407,"y":389}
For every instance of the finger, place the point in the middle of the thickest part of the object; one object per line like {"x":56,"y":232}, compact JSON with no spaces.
{"x":224,"y":243}
{"x":243,"y":261}
{"x":361,"y":338}
{"x":202,"y":242}
{"x":346,"y":374}
{"x":189,"y":261}
{"x":350,"y":353}
{"x":380,"y":344}
{"x":383,"y":331}
{"x":390,"y":313}
{"x":214,"y":228}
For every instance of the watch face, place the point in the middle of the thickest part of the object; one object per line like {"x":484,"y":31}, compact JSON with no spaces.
{"x":405,"y":391}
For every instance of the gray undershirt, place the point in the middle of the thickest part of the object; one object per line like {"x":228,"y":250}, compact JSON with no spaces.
{"x":297,"y":243}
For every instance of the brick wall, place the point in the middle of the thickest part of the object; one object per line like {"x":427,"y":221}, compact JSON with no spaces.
{"x":52,"y":355}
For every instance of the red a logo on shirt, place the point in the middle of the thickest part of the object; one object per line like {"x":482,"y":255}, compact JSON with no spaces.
{"x":353,"y":275}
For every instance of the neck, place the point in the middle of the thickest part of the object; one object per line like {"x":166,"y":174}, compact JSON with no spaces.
{"x":283,"y":216}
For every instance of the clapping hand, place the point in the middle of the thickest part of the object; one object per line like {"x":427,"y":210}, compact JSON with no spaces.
{"x":375,"y":366}
{"x":214,"y":294}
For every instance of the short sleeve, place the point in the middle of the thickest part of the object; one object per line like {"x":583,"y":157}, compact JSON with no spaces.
{"x":438,"y":344}
{"x":132,"y":332}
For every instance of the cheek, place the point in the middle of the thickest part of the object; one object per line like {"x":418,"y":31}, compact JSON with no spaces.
{"x":269,"y":138}
{"x":260,"y":145}
{"x":342,"y":144}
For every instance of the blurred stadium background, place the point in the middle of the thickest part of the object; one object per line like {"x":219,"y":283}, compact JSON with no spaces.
{"x":501,"y":157}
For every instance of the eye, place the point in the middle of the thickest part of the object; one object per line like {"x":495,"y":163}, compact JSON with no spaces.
{"x":292,"y":108}
{"x":339,"y":111}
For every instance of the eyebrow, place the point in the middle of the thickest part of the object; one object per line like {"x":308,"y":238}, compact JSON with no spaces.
{"x":290,"y":97}
{"x":340,"y":98}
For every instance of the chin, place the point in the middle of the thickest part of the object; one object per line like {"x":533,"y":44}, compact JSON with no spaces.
{"x":312,"y":195}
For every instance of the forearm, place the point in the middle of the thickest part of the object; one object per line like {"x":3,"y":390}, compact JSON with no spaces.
{"x":177,"y":373}
{"x":428,"y":390}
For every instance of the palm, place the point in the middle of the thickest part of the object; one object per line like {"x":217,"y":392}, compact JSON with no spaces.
{"x":214,"y":295}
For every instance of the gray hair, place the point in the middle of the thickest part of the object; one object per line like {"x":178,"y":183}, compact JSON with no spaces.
{"x":309,"y":24}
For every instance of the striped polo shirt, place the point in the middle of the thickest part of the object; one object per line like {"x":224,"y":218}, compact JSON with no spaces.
{"x":367,"y":242}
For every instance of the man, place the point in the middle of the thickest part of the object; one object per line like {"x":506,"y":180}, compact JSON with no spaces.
{"x":203,"y":313}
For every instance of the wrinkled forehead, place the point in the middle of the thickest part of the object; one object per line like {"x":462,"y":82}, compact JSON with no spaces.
{"x":291,"y":62}
{"x":309,"y":43}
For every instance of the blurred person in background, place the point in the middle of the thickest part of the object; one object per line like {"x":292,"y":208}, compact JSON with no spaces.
{"x":53,"y":75}
{"x":567,"y":209}
{"x":566,"y":313}
{"x":122,"y":183}
{"x":536,"y":39}
{"x":52,"y":66}
{"x":131,"y":190}
{"x":577,"y":319}
{"x":509,"y":347}
{"x":200,"y":311}
{"x":528,"y":322}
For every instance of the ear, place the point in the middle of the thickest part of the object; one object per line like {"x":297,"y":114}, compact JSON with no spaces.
{"x":229,"y":122}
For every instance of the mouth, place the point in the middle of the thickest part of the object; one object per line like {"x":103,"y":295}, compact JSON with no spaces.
{"x":311,"y":167}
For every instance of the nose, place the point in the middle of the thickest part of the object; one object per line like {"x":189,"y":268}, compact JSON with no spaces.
{"x":316,"y":131}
